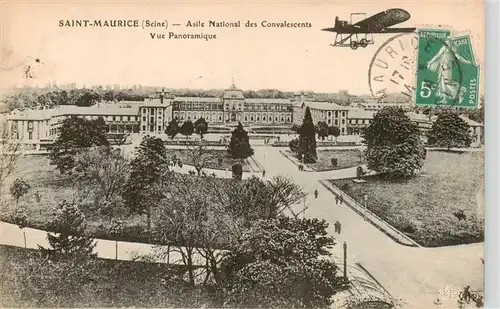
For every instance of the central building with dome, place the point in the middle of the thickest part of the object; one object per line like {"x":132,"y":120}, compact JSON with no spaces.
{"x":232,"y":107}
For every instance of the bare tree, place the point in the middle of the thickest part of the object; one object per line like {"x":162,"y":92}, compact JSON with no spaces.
{"x":192,"y":223}
{"x":199,"y":156}
{"x":101,"y":173}
{"x":10,"y":153}
{"x":285,"y":193}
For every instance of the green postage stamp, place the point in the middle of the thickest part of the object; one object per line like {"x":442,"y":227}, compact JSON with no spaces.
{"x":447,"y":72}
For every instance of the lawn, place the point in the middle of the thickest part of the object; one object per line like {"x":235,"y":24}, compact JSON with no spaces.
{"x":346,"y":158}
{"x":115,"y":284}
{"x":227,"y":160}
{"x":423,"y":207}
{"x":54,"y":187}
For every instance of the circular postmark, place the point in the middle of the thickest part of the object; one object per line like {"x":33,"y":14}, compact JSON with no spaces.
{"x":392,"y":68}
{"x":400,"y":62}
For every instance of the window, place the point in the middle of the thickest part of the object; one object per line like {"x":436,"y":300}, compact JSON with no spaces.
{"x":128,"y":118}
{"x":30,"y":135}
{"x":343,"y":130}
{"x":343,"y":114}
{"x":143,"y":128}
{"x":329,"y":114}
{"x":143,"y":110}
{"x":336,"y":122}
{"x":143,"y":118}
{"x":159,"y":128}
{"x":329,"y":121}
{"x":114,"y":118}
{"x":343,"y":121}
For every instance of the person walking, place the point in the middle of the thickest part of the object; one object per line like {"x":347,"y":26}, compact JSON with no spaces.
{"x":263,"y":173}
{"x":336,"y":199}
{"x":340,"y":227}
{"x":336,"y":224}
{"x":316,"y":193}
{"x":341,"y":199}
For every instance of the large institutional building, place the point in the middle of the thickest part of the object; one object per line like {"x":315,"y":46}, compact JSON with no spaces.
{"x":151,"y":116}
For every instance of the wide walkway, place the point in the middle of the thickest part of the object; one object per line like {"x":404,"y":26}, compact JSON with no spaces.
{"x":414,"y":275}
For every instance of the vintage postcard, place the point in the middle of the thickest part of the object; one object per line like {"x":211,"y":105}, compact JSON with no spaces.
{"x":234,"y":154}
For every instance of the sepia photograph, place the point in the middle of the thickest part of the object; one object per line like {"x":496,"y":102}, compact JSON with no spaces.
{"x":242,"y":154}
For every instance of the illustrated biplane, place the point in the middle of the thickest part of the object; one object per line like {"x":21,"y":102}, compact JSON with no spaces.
{"x":354,"y":34}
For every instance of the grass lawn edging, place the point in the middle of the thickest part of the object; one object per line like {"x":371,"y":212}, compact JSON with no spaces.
{"x":378,"y":222}
{"x":296,"y":162}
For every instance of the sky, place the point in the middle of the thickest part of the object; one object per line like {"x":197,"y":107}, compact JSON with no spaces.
{"x":289,"y":59}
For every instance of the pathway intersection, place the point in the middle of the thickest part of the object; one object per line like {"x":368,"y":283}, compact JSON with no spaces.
{"x":414,"y":275}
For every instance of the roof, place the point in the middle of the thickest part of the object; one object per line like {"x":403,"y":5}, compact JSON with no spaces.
{"x":31,"y":114}
{"x":324,"y":106}
{"x":420,"y":117}
{"x":156,"y":103}
{"x":96,"y":110}
{"x":233,"y":93}
{"x":63,"y":110}
{"x":360,"y":114}
{"x":267,"y":100}
{"x":197,"y":99}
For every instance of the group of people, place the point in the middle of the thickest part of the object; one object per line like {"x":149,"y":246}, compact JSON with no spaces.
{"x":175,"y":162}
{"x":338,"y":199}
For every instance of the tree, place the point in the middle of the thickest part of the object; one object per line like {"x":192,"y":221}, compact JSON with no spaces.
{"x":393,"y":144}
{"x":295,"y":128}
{"x":294,"y":145}
{"x":67,"y":230}
{"x":449,"y":130}
{"x":190,"y":221}
{"x":199,"y":156}
{"x":146,"y":168}
{"x":286,"y":251}
{"x":237,"y":171}
{"x":360,"y":173}
{"x":10,"y":153}
{"x":187,"y":128}
{"x":88,"y":98}
{"x":239,"y":146}
{"x":172,"y":128}
{"x":307,"y":139}
{"x":101,"y":174}
{"x":201,"y":127}
{"x":334,"y":131}
{"x":19,"y":188}
{"x":322,"y":130}
{"x":77,"y":134}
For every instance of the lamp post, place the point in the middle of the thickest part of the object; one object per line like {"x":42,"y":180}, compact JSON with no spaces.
{"x":345,"y":261}
{"x":366,"y":201}
{"x":304,"y":209}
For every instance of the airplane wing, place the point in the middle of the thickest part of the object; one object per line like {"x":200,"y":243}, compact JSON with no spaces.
{"x":397,"y":30}
{"x":380,"y":21}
